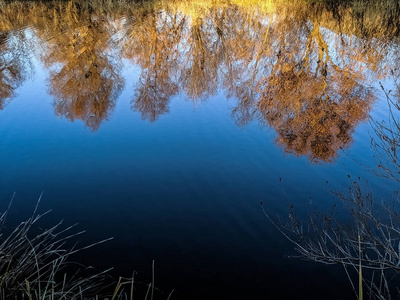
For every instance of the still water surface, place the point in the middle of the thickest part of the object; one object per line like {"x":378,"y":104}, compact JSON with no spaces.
{"x":164,"y":125}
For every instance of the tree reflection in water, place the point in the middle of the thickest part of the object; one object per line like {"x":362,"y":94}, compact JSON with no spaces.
{"x":88,"y":82}
{"x":14,"y":68}
{"x":156,"y":54}
{"x":303,"y":69}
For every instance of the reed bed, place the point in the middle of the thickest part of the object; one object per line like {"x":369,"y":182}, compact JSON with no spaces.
{"x":36,"y":264}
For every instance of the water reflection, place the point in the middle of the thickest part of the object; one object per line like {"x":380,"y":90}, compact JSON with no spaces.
{"x":85,"y":77}
{"x":15,"y":63}
{"x":303,"y":69}
{"x":150,"y":41}
{"x":312,"y":101}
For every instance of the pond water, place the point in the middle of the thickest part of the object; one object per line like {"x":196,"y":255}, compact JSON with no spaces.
{"x":164,"y":125}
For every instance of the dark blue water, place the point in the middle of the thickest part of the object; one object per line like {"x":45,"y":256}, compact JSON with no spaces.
{"x":183,"y":190}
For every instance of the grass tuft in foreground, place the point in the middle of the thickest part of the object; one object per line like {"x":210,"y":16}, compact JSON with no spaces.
{"x":35,"y":264}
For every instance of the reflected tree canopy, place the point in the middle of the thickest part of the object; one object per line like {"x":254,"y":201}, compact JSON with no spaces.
{"x":15,"y":63}
{"x":78,"y":51}
{"x":84,"y":76}
{"x":150,"y":42}
{"x":304,"y":69}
